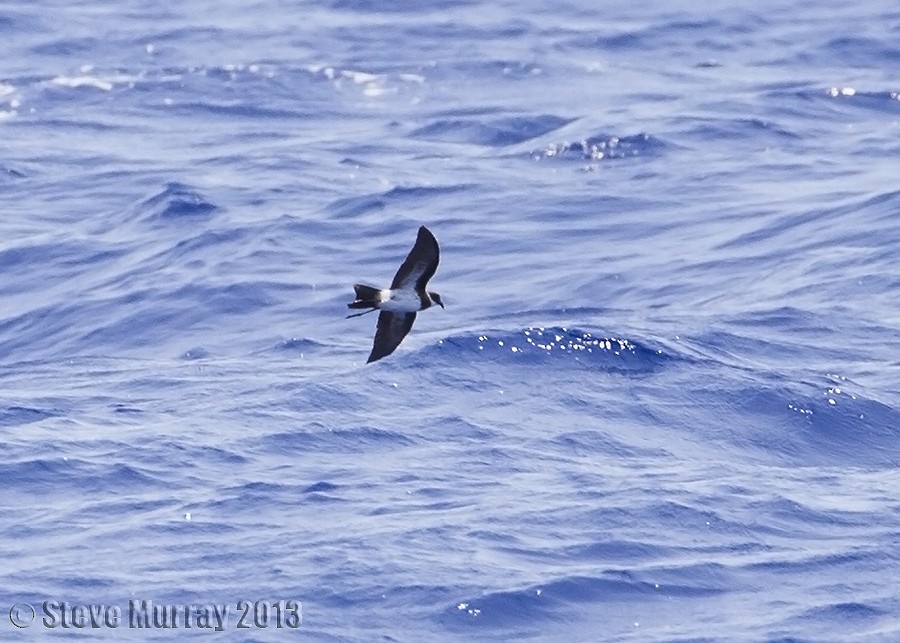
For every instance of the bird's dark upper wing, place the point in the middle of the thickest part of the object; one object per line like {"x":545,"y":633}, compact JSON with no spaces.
{"x":392,"y":328}
{"x":420,"y":263}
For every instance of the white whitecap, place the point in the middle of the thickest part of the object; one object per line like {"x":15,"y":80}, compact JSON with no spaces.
{"x":83,"y":81}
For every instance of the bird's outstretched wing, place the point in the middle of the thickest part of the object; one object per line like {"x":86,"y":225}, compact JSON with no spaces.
{"x":420,"y":263}
{"x":392,"y":328}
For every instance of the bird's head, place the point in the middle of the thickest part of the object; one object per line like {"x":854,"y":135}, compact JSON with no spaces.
{"x":435,"y":299}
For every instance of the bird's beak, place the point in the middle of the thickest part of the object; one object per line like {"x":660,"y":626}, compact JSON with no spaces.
{"x":442,"y":304}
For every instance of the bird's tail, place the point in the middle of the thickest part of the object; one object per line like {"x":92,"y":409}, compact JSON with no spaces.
{"x":366,"y":297}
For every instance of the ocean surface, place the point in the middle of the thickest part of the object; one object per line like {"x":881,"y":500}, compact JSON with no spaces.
{"x":661,"y":404}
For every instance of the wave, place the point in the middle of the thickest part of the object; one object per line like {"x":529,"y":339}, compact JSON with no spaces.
{"x":175,"y":201}
{"x":553,"y":345}
{"x":602,"y":146}
{"x":500,"y":131}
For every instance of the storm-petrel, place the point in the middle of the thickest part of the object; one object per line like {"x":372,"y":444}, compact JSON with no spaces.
{"x":406,"y":296}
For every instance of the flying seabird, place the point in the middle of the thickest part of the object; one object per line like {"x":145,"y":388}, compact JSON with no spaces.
{"x":406,"y":296}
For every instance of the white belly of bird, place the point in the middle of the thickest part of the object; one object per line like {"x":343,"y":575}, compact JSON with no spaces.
{"x":400,"y":301}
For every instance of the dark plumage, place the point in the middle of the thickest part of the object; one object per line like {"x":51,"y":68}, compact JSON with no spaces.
{"x":406,"y":296}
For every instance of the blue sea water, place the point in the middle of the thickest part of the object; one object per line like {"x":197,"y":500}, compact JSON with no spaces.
{"x":661,"y":403}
